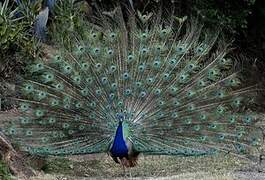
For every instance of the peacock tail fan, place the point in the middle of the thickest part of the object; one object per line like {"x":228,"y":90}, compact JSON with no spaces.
{"x":173,"y":83}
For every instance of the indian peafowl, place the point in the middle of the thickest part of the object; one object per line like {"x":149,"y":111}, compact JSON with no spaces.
{"x":146,"y":85}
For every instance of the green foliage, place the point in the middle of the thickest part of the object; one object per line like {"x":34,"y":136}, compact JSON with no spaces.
{"x":4,"y":171}
{"x":15,"y":26}
{"x":11,"y":30}
{"x":29,"y":9}
{"x":16,"y":41}
{"x":68,"y":22}
{"x":232,"y":15}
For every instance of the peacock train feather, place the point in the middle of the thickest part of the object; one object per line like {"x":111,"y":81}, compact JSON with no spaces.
{"x":143,"y":86}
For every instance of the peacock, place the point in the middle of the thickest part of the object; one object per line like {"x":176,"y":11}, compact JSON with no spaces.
{"x":144,"y":85}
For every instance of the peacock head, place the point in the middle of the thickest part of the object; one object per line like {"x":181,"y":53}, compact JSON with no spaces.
{"x":120,"y":117}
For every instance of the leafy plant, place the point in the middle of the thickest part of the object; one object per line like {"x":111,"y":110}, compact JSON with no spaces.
{"x":16,"y":21}
{"x":10,"y":29}
{"x":4,"y":171}
{"x":68,"y":22}
{"x":232,"y":15}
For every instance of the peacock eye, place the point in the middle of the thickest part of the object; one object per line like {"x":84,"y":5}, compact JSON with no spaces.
{"x":143,"y":94}
{"x":141,"y":67}
{"x":29,"y":87}
{"x":180,"y":49}
{"x":114,"y":87}
{"x":199,"y":50}
{"x":113,"y":68}
{"x":104,"y":80}
{"x":58,"y":57}
{"x":127,"y":91}
{"x":110,"y":52}
{"x":112,"y":35}
{"x":12,"y":131}
{"x":77,"y":79}
{"x":125,"y":75}
{"x":98,"y":92}
{"x":98,"y":65}
{"x":130,"y":58}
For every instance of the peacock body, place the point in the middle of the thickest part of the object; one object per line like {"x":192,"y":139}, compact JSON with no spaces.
{"x":145,"y":86}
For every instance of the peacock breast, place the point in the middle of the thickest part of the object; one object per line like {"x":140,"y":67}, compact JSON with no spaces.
{"x":119,"y":147}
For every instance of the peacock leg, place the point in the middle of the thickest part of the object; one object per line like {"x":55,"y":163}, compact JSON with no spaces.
{"x":123,"y":167}
{"x":130,"y":173}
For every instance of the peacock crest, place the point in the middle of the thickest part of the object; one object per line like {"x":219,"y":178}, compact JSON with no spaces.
{"x":171,"y":90}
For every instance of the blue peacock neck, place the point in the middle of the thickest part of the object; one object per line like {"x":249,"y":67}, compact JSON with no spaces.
{"x":119,"y":147}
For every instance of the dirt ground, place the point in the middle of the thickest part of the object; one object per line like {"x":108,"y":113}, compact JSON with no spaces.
{"x":221,"y":167}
